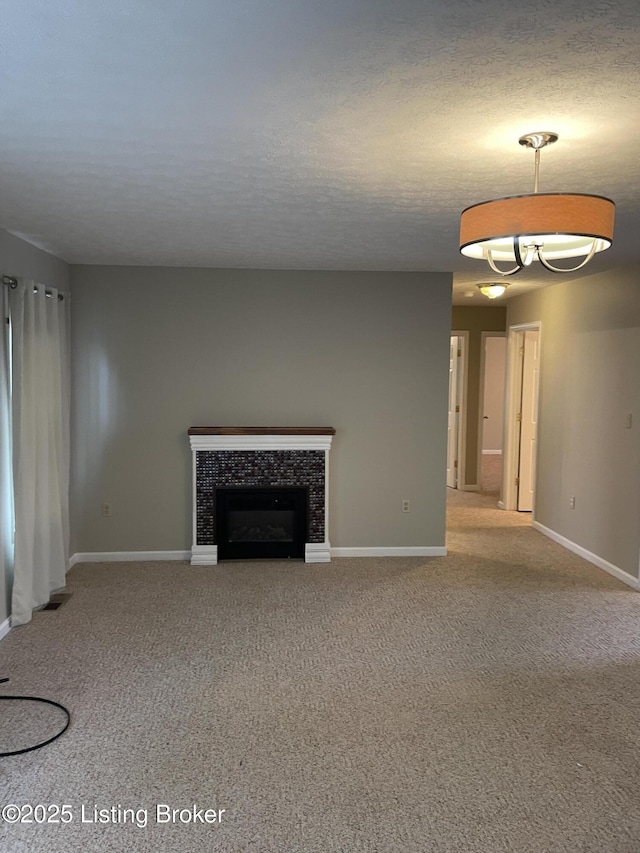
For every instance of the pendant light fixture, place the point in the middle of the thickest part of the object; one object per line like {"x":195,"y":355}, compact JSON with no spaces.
{"x":543,"y":226}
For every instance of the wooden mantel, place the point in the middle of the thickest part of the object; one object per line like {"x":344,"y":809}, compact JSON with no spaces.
{"x":220,"y":430}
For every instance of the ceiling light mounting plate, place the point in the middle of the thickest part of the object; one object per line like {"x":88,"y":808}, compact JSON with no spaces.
{"x":538,"y":140}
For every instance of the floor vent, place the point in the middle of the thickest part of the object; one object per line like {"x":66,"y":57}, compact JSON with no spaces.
{"x":56,"y":601}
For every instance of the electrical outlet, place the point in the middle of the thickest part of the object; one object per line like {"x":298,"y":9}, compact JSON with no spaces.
{"x":572,"y":502}
{"x":405,"y":506}
{"x":106,"y":509}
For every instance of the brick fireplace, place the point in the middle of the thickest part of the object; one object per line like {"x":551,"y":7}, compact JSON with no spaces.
{"x":251,"y":458}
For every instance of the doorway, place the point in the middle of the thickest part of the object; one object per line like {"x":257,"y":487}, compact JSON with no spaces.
{"x":521,"y":421}
{"x":493,"y":358}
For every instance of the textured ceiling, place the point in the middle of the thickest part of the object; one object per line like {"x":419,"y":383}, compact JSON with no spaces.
{"x":321,"y":134}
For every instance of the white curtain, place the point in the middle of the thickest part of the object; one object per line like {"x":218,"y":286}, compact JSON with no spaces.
{"x":40,"y":444}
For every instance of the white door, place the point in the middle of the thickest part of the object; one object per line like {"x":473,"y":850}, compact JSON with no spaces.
{"x":452,"y":430}
{"x":528,"y":421}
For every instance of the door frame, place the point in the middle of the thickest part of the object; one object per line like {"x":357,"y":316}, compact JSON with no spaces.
{"x":513,"y":401}
{"x":463,"y":337}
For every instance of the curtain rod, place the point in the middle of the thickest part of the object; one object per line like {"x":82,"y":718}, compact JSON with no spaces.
{"x":13,"y":283}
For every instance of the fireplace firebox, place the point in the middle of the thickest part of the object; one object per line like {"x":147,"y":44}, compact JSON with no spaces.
{"x":261,"y":523}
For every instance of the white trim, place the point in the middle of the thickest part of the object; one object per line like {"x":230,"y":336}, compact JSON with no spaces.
{"x":473,"y":487}
{"x":5,"y":627}
{"x":204,"y":555}
{"x":492,"y":452}
{"x":326,"y":502}
{"x":420,"y":551}
{"x":317,"y":552}
{"x":194,"y":505}
{"x":207,"y":555}
{"x":260,"y":442}
{"x":128,"y":556}
{"x":621,"y":575}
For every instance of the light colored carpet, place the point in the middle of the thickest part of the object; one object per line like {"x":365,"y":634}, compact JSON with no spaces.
{"x":483,"y":702}
{"x":491,"y":474}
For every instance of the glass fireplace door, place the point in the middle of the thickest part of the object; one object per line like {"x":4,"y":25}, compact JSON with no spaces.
{"x":269,"y":522}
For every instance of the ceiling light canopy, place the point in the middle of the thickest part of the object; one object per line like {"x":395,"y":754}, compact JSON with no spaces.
{"x":543,"y":226}
{"x":492,"y":290}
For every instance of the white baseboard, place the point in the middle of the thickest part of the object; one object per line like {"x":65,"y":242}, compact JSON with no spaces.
{"x":468,"y":488}
{"x":5,"y":627}
{"x":127,"y":556}
{"x":618,"y":573}
{"x":320,"y":556}
{"x":492,"y":453}
{"x":420,"y":551}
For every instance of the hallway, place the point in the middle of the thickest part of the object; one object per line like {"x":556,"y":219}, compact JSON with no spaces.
{"x":478,"y":528}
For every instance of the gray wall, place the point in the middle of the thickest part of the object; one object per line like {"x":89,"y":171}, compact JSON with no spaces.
{"x":589,"y":384}
{"x":20,"y":259}
{"x":157,"y":350}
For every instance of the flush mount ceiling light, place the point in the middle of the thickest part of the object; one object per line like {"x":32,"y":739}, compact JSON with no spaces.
{"x":492,"y":290}
{"x":546,"y":226}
